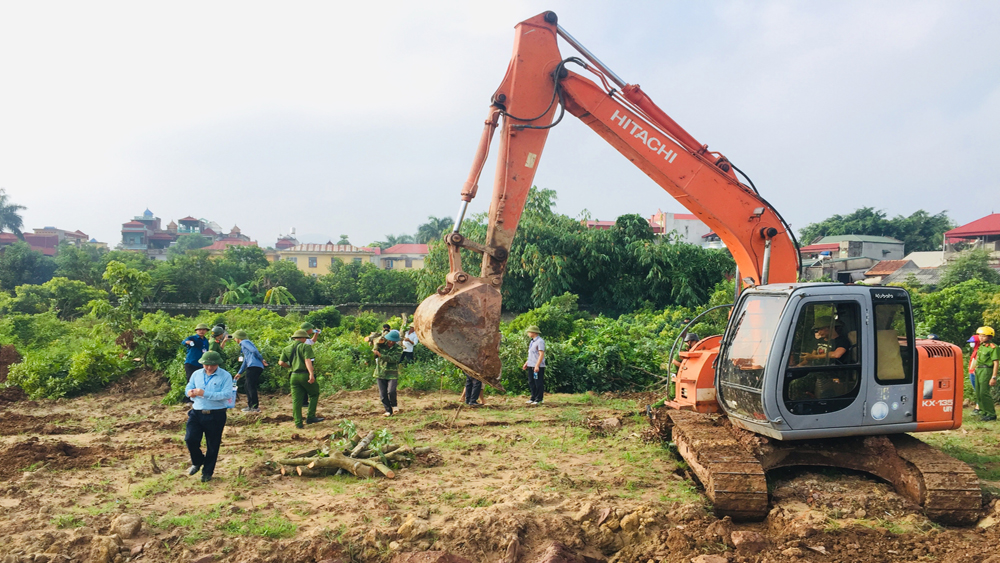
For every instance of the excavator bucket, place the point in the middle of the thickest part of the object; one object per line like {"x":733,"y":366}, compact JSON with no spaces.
{"x":463,"y":326}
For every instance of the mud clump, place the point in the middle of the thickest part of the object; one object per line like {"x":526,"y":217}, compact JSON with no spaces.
{"x":8,"y":357}
{"x":141,"y":383}
{"x":55,"y":455}
{"x":12,"y":424}
{"x":11,"y":395}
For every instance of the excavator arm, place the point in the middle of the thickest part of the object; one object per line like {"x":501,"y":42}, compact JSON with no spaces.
{"x":461,"y":320}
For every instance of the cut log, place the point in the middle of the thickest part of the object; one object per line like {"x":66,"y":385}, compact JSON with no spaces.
{"x":422,"y":450}
{"x":389,"y":473}
{"x":353,"y":466}
{"x":363,"y":444}
{"x":296,"y":461}
{"x":306,"y":471}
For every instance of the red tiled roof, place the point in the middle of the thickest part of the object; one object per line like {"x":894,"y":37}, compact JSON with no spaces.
{"x":8,"y":238}
{"x":133,"y":225}
{"x":406,"y":249}
{"x":162,"y":236}
{"x":685,"y":216}
{"x":886,"y":267}
{"x":709,"y":234}
{"x":225,"y":243}
{"x":188,"y":219}
{"x":820,"y":247}
{"x":207,"y":231}
{"x":989,"y":225}
{"x":603,"y":225}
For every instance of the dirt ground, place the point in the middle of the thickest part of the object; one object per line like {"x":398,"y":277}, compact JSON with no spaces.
{"x":102,"y":478}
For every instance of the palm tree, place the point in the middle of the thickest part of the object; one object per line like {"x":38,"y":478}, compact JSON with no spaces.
{"x":433,"y":229}
{"x":10,"y":218}
{"x":278,"y":295}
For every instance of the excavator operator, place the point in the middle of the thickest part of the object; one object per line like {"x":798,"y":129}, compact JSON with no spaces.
{"x":831,"y":345}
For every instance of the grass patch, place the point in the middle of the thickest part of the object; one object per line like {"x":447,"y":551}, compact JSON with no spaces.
{"x":155,"y":486}
{"x":273,"y":526}
{"x":66,"y":521}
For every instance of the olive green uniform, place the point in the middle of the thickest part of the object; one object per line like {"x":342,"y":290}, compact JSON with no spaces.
{"x":387,"y":372}
{"x":296,"y":354}
{"x":987,"y":354}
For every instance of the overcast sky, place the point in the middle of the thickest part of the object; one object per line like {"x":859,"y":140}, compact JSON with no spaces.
{"x":362,"y":119}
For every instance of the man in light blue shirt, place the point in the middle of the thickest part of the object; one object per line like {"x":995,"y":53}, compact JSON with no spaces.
{"x":535,"y":365}
{"x":211,"y":390}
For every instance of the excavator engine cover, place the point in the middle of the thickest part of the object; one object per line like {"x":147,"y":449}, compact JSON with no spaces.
{"x":462,"y":327}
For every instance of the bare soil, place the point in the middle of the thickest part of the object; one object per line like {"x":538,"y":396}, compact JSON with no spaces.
{"x":585,"y":471}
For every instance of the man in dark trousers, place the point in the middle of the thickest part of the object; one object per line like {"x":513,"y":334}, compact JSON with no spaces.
{"x":473,"y":387}
{"x":298,"y":357}
{"x":196,"y":347}
{"x":534,"y":367}
{"x":211,"y":390}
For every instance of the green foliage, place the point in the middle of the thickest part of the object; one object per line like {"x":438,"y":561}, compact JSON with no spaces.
{"x":327,"y":317}
{"x":21,"y":265}
{"x":956,"y":312}
{"x":554,"y":318}
{"x":285,"y":274}
{"x":68,"y":298}
{"x":970,"y":265}
{"x":278,"y":295}
{"x":365,"y":283}
{"x":129,"y":287}
{"x":10,"y":215}
{"x":80,"y":263}
{"x":920,"y":231}
{"x":235,"y":294}
{"x":433,"y":229}
{"x":613,"y":271}
{"x":187,"y":242}
{"x":68,"y":367}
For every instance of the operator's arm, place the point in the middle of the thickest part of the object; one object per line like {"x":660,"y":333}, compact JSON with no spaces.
{"x":541,"y":358}
{"x":283,"y":360}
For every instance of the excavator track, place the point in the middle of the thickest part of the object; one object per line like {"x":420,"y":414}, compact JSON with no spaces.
{"x":732,"y":463}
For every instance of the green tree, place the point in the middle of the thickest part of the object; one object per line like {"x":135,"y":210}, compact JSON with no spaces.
{"x":185,"y":243}
{"x":341,"y":284}
{"x":21,"y":265}
{"x":10,"y":215}
{"x":344,"y":240}
{"x":970,"y":265}
{"x":433,"y":229}
{"x":82,"y":263}
{"x":957,"y":311}
{"x":188,"y":278}
{"x":920,"y":231}
{"x":287,"y":275}
{"x":241,"y":263}
{"x":129,"y":287}
{"x":386,"y":286}
{"x":392,"y":240}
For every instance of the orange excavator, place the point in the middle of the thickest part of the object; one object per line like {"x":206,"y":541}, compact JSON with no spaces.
{"x":805,"y":374}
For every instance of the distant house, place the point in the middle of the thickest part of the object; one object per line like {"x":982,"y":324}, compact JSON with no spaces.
{"x":404,"y":257}
{"x":922,"y":276}
{"x":315,"y":259}
{"x":846,"y":258}
{"x":982,"y":233}
{"x":883,"y":269}
{"x":47,"y":240}
{"x":927,"y":259}
{"x":688,"y":227}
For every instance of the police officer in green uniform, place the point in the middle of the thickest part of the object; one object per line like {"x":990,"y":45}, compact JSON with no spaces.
{"x":388,"y":353}
{"x":299,"y":357}
{"x":987,"y":361}
{"x":218,"y":340}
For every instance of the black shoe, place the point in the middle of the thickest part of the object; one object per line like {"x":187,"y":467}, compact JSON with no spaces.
{"x":988,"y":418}
{"x":194,"y":469}
{"x":315,"y":420}
{"x":206,"y":478}
{"x":299,"y":425}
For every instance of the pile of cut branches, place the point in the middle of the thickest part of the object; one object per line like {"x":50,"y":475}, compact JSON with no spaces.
{"x":347,"y":451}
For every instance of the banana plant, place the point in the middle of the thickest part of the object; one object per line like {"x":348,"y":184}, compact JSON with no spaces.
{"x":235,"y":294}
{"x":278,"y":295}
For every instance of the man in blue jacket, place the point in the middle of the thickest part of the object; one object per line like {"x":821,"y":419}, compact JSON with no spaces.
{"x":196,"y":347}
{"x":253,"y":365}
{"x":211,"y":390}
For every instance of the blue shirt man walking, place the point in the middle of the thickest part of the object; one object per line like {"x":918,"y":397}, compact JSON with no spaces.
{"x":196,"y":346}
{"x":534,"y":367}
{"x":211,"y":390}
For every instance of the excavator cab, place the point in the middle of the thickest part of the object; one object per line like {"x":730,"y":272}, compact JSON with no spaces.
{"x":822,"y":360}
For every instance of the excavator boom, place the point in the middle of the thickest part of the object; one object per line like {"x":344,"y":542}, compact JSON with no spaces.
{"x":461,"y":321}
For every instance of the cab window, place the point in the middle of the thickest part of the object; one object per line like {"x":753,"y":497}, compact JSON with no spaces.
{"x":893,"y":344}
{"x":824,"y":367}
